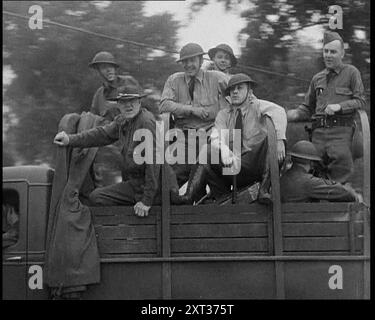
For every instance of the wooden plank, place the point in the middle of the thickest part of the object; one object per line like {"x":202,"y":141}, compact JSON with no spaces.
{"x":166,"y":212}
{"x":351,"y":233}
{"x":366,"y":156}
{"x":104,"y":257}
{"x":366,"y":196}
{"x":276,"y":207}
{"x":217,"y":209}
{"x":316,"y":244}
{"x":219,"y":230}
{"x":126,"y":246}
{"x":271,"y":249}
{"x":113,"y":220}
{"x":219,"y":255}
{"x":315,"y":229}
{"x":316,"y":217}
{"x":120,"y":210}
{"x":158,"y":235}
{"x":165,"y":225}
{"x":366,"y":252}
{"x":219,"y":245}
{"x":358,"y":228}
{"x":302,"y":207}
{"x":218,"y":218}
{"x":359,"y":244}
{"x":126,"y":231}
{"x":166,"y":280}
{"x":317,"y":253}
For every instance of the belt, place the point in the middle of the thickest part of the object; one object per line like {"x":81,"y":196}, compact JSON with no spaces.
{"x":329,"y":122}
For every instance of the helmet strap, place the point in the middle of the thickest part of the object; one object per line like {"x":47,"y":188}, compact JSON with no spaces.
{"x":246,"y":97}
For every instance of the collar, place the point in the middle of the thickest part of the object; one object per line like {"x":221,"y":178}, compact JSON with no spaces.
{"x":336,"y":70}
{"x":199,"y":77}
{"x":245,"y":106}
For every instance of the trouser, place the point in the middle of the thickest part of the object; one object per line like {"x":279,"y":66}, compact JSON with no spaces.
{"x":107,"y":166}
{"x":184,"y":169}
{"x":334,"y":146}
{"x":253,"y":166}
{"x":123,"y":193}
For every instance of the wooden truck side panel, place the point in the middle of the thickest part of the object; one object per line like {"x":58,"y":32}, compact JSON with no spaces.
{"x":213,"y":252}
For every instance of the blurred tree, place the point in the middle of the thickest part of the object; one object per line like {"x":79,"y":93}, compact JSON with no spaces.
{"x":272,"y":40}
{"x":51,"y":64}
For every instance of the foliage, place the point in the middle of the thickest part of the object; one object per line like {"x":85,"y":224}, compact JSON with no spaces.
{"x":272,"y":42}
{"x":51,"y":64}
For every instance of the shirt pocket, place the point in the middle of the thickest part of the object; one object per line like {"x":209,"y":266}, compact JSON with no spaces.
{"x":320,"y":87}
{"x":344,"y":91}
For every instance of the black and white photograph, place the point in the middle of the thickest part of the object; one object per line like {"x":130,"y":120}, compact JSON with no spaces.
{"x":186,"y":155}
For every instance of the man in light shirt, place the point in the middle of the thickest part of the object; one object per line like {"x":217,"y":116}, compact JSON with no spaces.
{"x":246,"y":114}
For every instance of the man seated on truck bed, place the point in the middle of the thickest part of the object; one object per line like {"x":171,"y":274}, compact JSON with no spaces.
{"x":298,"y":185}
{"x":247,"y":153}
{"x":142,"y":184}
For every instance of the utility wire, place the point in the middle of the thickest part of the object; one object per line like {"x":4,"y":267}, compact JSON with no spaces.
{"x":47,"y":21}
{"x":144,"y":45}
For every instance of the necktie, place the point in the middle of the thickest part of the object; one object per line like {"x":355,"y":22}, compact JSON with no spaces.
{"x":191,"y":87}
{"x":238,"y":123}
{"x":330,"y":75}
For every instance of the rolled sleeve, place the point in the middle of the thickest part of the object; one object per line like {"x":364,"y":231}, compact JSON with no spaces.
{"x":278,"y":116}
{"x":307,"y":108}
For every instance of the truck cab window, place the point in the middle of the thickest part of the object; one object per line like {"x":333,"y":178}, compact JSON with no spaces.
{"x":11,"y":218}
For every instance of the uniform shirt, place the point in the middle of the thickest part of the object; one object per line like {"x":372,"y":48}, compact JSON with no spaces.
{"x":297,"y":185}
{"x":208,"y":93}
{"x":144,"y":178}
{"x":343,"y":86}
{"x":253,"y":125}
{"x":100,"y":105}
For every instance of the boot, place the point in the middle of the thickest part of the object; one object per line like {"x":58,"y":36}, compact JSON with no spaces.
{"x":264,"y":195}
{"x":175,"y":197}
{"x":196,"y":185}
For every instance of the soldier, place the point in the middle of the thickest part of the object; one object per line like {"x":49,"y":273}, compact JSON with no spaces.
{"x":332,"y":99}
{"x":194,"y":98}
{"x":298,"y":185}
{"x":245,"y":113}
{"x":107,"y":166}
{"x":222,"y":59}
{"x":141,"y":186}
{"x":106,"y":67}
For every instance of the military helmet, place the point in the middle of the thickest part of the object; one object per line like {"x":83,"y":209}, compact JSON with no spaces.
{"x":128,"y":92}
{"x":237,"y":79}
{"x":223,"y":47}
{"x":103,"y":57}
{"x":190,"y":50}
{"x":305,"y":150}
